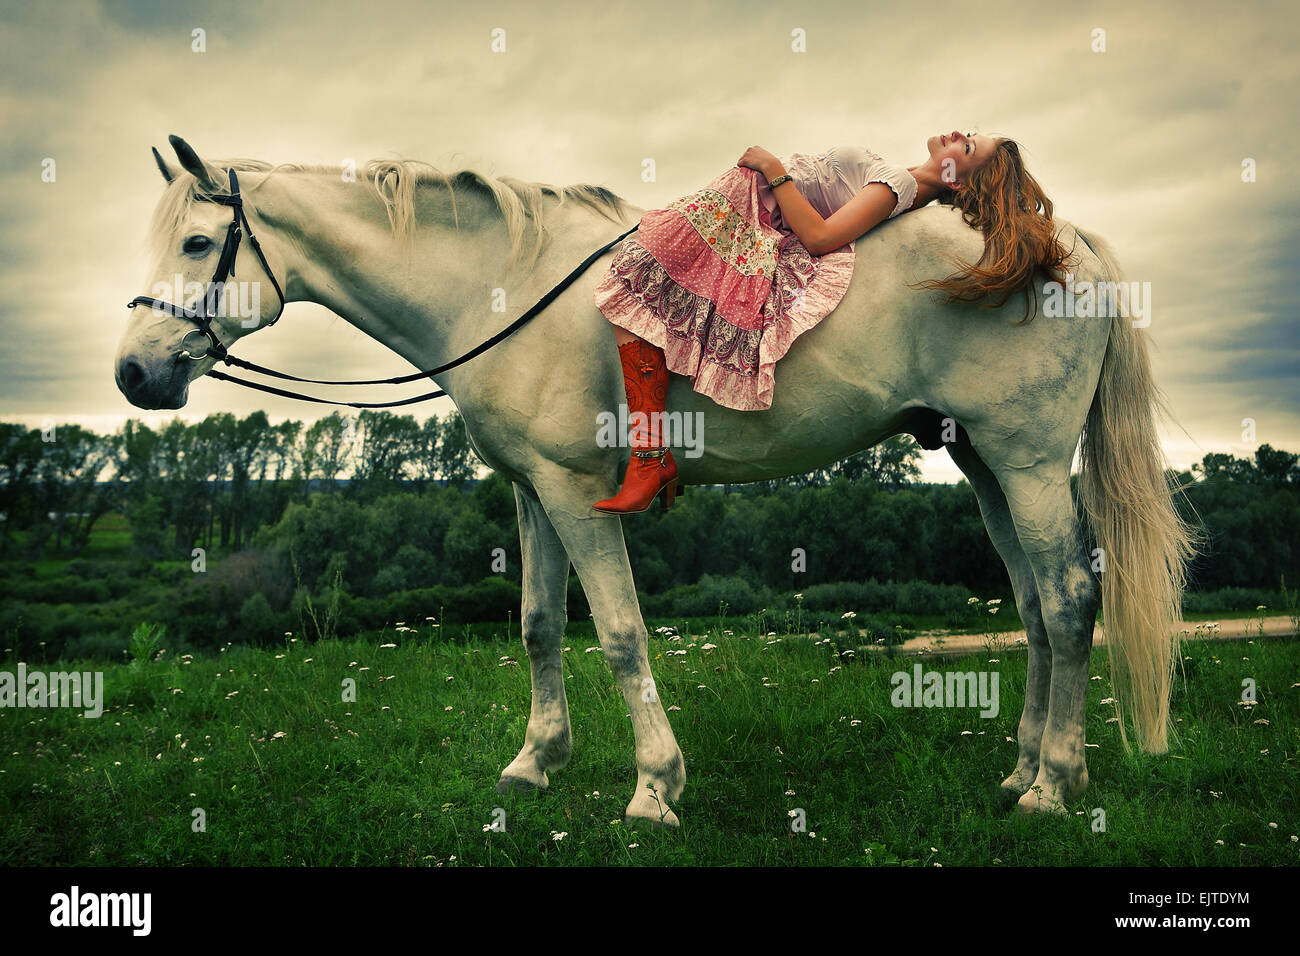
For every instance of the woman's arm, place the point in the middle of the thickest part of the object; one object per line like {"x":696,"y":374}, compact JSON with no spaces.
{"x":870,"y":207}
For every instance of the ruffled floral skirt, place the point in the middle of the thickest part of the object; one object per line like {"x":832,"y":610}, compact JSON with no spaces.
{"x":722,"y":291}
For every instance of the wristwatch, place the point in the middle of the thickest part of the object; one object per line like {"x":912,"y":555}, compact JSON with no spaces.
{"x":783,"y":178}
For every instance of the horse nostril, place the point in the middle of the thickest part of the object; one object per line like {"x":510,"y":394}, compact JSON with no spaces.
{"x":130,"y":376}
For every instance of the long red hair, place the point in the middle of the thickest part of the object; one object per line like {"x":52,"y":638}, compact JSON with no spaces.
{"x":1008,"y":206}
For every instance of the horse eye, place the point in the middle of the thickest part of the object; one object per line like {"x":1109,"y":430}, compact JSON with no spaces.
{"x":196,"y":244}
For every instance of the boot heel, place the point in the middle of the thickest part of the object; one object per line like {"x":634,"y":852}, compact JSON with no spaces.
{"x":668,"y":494}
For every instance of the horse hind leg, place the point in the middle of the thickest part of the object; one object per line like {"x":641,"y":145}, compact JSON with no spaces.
{"x":1002,"y":532}
{"x":1069,"y":594}
{"x":547,"y":742}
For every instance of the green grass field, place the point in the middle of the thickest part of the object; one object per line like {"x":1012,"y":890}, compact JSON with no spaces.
{"x":287,"y":773}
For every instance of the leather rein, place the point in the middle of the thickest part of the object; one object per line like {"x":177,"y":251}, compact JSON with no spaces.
{"x":225,"y":270}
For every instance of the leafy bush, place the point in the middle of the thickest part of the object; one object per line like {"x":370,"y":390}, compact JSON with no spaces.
{"x":494,"y":599}
{"x":412,"y":567}
{"x":97,"y":646}
{"x":257,"y":618}
{"x":707,"y":597}
{"x":906,"y":597}
{"x":1232,"y":599}
{"x":144,"y":642}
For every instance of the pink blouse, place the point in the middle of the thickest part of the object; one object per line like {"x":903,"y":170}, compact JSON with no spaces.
{"x":829,"y":180}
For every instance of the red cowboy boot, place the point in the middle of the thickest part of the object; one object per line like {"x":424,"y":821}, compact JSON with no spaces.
{"x":651,"y":469}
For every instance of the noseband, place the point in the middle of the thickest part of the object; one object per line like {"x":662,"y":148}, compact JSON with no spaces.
{"x":226,"y":269}
{"x":212,"y":296}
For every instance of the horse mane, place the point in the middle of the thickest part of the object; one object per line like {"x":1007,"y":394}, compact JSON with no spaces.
{"x":395,"y":183}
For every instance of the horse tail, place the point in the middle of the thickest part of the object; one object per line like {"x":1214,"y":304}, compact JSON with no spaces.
{"x":1146,"y":545}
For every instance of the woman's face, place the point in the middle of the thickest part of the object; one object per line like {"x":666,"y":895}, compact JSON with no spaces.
{"x":959,"y":154}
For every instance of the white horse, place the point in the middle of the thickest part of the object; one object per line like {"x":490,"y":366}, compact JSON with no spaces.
{"x":416,"y":259}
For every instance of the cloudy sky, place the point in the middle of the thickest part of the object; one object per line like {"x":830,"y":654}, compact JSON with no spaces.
{"x":1143,"y":143}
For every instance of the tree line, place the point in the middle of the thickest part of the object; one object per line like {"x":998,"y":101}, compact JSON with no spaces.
{"x":211,"y":484}
{"x":379,"y":504}
{"x":215,"y":483}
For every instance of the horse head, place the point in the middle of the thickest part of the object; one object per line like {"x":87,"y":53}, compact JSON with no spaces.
{"x":197,"y":305}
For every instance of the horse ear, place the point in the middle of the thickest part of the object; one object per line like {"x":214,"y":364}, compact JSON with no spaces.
{"x":192,"y":164}
{"x":167,"y":174}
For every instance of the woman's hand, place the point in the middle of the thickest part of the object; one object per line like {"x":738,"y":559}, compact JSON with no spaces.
{"x":756,"y":157}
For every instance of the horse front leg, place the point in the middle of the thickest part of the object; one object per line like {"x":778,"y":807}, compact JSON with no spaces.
{"x":547,"y":742}
{"x":599,"y":553}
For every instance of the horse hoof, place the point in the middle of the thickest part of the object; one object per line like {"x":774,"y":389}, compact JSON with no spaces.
{"x":667,"y":821}
{"x":1038,"y":800}
{"x":1013,"y":788}
{"x":512,"y":784}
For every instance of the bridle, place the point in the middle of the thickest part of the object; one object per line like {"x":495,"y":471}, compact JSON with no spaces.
{"x":225,"y":270}
{"x":212,"y":296}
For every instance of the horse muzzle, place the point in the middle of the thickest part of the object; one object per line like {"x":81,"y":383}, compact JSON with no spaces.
{"x":163,"y":384}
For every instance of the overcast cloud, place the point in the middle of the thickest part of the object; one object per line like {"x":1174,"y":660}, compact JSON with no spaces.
{"x":1142,"y":143}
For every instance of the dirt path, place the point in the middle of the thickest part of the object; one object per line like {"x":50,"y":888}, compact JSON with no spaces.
{"x":940,"y":644}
